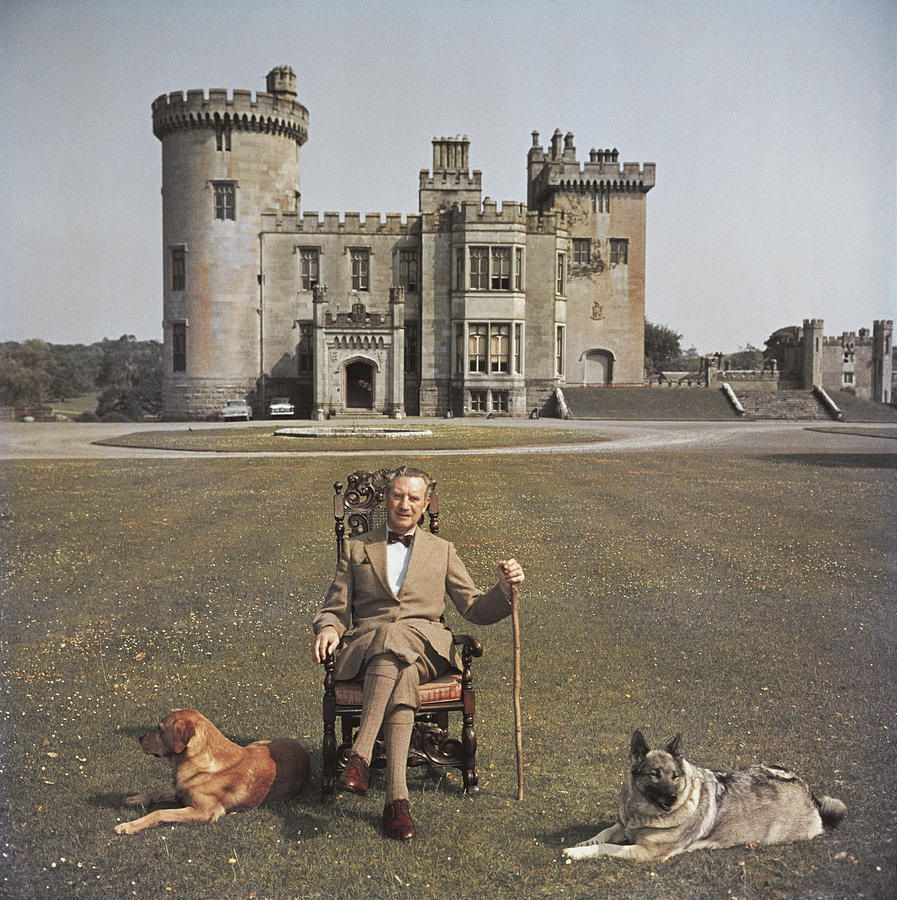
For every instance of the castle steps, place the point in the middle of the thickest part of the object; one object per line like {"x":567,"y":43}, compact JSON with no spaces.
{"x":788,"y":405}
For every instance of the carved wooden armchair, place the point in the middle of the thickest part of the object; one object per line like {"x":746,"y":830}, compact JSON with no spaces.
{"x":362,"y":508}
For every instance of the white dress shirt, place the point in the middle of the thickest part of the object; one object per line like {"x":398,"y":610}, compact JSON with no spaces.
{"x":397,"y":555}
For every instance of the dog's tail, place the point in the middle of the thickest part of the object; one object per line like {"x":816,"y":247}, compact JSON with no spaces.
{"x":831,"y":811}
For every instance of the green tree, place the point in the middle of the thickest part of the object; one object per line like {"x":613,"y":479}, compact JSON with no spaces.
{"x":749,"y":357}
{"x":131,"y":373}
{"x":662,"y":345}
{"x":78,"y":366}
{"x":27,"y":371}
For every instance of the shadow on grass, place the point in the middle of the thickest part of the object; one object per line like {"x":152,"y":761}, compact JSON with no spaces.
{"x":837,"y":460}
{"x":571,"y":835}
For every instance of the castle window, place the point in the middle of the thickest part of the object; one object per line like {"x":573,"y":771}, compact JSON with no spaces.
{"x":490,"y":268}
{"x":459,"y":269}
{"x":476,"y":347}
{"x":601,"y":199}
{"x":178,"y":269}
{"x":179,"y":346}
{"x":500,"y":401}
{"x":222,"y":133}
{"x":459,"y":349}
{"x":562,"y":274}
{"x":309,"y":267}
{"x":479,"y":268}
{"x":559,"y":350}
{"x":518,"y":349}
{"x":478,"y":401}
{"x":582,"y":251}
{"x":408,"y":269}
{"x":500,"y":348}
{"x":411,"y":349}
{"x":619,"y":251}
{"x":501,"y":268}
{"x":305,"y":352}
{"x":847,"y":378}
{"x":225,"y":199}
{"x":361,"y":268}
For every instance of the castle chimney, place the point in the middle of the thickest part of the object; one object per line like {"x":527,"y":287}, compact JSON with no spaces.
{"x":451,"y":154}
{"x":556,"y":139}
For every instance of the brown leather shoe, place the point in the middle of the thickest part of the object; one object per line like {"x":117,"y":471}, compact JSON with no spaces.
{"x":397,"y":821}
{"x":356,"y":775}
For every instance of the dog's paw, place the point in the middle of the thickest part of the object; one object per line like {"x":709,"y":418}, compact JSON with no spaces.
{"x":124,"y":828}
{"x":136,"y":800}
{"x":571,"y":853}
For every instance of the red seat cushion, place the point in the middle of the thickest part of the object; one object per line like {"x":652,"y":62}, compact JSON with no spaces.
{"x":446,"y":687}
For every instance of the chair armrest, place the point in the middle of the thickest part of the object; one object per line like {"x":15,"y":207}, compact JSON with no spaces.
{"x":471,"y":644}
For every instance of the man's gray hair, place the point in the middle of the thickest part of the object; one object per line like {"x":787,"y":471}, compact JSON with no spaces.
{"x":411,"y":472}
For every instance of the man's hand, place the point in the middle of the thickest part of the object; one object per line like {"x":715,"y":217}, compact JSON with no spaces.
{"x":509,"y":572}
{"x":326,"y":642}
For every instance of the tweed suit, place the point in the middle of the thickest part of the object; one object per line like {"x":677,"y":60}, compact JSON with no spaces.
{"x":371,"y":619}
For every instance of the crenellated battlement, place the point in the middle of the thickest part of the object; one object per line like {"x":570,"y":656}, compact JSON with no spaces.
{"x":334,"y":223}
{"x":447,"y":181}
{"x":849,"y":339}
{"x":240,"y":110}
{"x":489,"y":213}
{"x":559,"y":169}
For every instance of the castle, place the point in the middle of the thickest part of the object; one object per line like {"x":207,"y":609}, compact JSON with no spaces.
{"x":467,"y":308}
{"x":859,"y":364}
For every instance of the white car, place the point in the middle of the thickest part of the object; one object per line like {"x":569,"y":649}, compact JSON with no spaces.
{"x":236,"y":409}
{"x":281,"y":406}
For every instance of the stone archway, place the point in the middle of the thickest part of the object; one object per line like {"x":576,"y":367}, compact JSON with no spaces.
{"x":359,"y":385}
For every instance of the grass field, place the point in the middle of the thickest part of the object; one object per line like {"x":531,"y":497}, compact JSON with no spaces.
{"x":746,"y":601}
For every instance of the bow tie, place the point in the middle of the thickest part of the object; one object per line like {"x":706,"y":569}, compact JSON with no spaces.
{"x":406,"y":539}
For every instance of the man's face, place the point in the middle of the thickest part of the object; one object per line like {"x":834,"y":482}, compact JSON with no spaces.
{"x":406,"y":501}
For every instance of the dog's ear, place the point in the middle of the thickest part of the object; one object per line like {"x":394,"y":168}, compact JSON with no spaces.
{"x":638,"y":749}
{"x":675,"y":746}
{"x":176,"y":732}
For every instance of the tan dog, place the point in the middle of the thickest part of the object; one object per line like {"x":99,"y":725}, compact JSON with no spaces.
{"x":214,"y":775}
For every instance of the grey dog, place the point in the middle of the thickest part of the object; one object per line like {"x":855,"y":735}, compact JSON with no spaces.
{"x":669,"y":806}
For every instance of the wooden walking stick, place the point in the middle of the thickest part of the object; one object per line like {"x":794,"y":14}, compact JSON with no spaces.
{"x":515,"y":622}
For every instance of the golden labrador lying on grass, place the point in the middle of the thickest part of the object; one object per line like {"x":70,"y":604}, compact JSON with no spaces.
{"x":214,"y":775}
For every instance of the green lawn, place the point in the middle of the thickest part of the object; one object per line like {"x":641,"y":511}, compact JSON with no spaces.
{"x":746,"y":601}
{"x":236,"y":438}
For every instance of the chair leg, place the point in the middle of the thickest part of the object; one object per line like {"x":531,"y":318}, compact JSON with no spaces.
{"x":328,"y":769}
{"x":469,"y":749}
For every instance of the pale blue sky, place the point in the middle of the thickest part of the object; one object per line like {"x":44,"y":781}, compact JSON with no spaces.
{"x":773,"y":126}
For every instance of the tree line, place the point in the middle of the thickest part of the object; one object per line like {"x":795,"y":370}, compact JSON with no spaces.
{"x":126,"y":372}
{"x":663,"y":350}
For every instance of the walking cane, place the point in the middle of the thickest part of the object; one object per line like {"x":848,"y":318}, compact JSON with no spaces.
{"x":515,"y":622}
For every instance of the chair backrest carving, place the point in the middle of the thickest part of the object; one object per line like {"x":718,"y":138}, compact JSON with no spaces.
{"x":362,"y":507}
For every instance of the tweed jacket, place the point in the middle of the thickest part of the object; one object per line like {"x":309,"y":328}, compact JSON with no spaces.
{"x":360,"y":601}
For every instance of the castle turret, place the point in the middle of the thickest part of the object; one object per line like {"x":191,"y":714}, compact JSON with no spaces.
{"x":882,"y":360}
{"x":601,"y":267}
{"x":226,"y":160}
{"x":812,"y":355}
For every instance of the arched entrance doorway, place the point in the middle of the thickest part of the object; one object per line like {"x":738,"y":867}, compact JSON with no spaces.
{"x":597,"y":367}
{"x":360,"y":385}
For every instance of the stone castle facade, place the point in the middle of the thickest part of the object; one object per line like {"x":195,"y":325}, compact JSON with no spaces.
{"x":468,"y":307}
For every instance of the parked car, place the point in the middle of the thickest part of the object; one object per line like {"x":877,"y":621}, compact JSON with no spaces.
{"x":281,"y":406}
{"x":236,"y":409}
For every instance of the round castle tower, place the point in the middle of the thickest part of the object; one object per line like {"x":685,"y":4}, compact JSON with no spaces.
{"x":225,"y":162}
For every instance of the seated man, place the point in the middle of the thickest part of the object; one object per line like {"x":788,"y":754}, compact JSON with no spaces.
{"x":381,"y":617}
